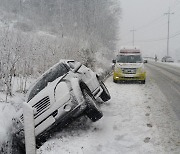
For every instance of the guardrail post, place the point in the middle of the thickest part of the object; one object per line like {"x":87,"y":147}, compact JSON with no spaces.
{"x":29,"y":129}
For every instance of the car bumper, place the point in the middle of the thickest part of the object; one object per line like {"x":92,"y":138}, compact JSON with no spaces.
{"x":129,"y":77}
{"x":60,"y":116}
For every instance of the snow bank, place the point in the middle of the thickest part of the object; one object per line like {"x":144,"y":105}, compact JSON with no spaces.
{"x":173,"y":64}
{"x":7,"y":112}
{"x":137,"y":120}
{"x":123,"y":129}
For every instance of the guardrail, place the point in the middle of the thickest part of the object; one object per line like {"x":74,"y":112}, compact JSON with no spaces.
{"x":29,"y":129}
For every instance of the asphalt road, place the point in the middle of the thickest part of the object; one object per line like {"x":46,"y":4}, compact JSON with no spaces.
{"x":167,"y":77}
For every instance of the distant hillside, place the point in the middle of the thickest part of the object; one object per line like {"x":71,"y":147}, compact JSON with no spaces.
{"x":80,"y":19}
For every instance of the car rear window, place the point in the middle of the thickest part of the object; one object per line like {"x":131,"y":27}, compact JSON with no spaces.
{"x":51,"y":75}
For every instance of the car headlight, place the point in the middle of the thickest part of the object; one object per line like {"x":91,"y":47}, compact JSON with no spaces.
{"x":118,"y":70}
{"x":62,"y":90}
{"x":141,"y":69}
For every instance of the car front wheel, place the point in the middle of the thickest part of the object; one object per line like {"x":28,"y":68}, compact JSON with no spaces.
{"x":115,"y":81}
{"x":92,"y":111}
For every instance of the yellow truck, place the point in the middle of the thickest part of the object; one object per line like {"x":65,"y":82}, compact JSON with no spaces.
{"x":129,"y":66}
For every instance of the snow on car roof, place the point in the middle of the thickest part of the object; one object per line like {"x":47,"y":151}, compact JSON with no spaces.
{"x":127,"y":52}
{"x":129,"y":47}
{"x":130,"y":51}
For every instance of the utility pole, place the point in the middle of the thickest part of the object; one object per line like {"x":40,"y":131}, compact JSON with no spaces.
{"x":168,"y":14}
{"x":133,"y":30}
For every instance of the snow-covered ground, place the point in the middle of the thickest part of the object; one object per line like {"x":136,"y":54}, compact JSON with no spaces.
{"x":167,"y":63}
{"x":138,"y":119}
{"x":173,"y":64}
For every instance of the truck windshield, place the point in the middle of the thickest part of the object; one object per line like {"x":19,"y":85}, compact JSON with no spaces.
{"x":129,"y":59}
{"x":51,"y":75}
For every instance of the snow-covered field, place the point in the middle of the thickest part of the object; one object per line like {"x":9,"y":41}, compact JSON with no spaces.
{"x":137,"y":119}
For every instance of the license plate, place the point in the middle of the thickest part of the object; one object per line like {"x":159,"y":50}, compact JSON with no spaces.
{"x":129,"y":75}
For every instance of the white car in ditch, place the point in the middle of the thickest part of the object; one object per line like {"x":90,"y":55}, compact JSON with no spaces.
{"x":67,"y":90}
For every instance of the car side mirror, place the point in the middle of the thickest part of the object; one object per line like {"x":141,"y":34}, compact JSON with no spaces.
{"x":145,"y":61}
{"x":113,"y":61}
{"x":77,"y":67}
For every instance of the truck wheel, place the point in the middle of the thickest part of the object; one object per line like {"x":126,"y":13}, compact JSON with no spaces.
{"x":92,"y":111}
{"x":105,"y":95}
{"x":115,"y":81}
{"x":143,"y":81}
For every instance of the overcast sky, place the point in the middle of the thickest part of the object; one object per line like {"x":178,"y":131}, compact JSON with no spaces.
{"x":148,"y":19}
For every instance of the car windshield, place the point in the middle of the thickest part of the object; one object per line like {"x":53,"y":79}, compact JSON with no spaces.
{"x":129,"y":59}
{"x":55,"y":72}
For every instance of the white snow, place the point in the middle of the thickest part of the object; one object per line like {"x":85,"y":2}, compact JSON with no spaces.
{"x":137,"y":120}
{"x":168,"y":63}
{"x":173,"y":64}
{"x":7,"y":112}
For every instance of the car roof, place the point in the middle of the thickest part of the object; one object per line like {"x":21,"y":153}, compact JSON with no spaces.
{"x":130,"y":51}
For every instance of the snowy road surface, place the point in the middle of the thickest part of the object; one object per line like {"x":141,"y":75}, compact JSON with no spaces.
{"x":168,"y":79}
{"x":137,"y":120}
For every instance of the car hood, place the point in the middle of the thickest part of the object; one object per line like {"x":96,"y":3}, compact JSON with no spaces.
{"x":47,"y":91}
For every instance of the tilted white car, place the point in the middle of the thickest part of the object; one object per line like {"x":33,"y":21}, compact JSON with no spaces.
{"x":66,"y":91}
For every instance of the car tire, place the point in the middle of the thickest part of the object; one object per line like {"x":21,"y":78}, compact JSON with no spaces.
{"x":143,"y":81}
{"x":115,"y":81}
{"x":92,"y":111}
{"x":105,"y":95}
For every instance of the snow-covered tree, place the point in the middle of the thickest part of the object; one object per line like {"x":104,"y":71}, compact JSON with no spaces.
{"x":43,"y":31}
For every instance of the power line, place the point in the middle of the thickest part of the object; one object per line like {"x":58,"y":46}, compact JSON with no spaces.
{"x":158,"y":39}
{"x":161,"y":39}
{"x":155,"y":20}
{"x":150,"y":23}
{"x":175,"y":35}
